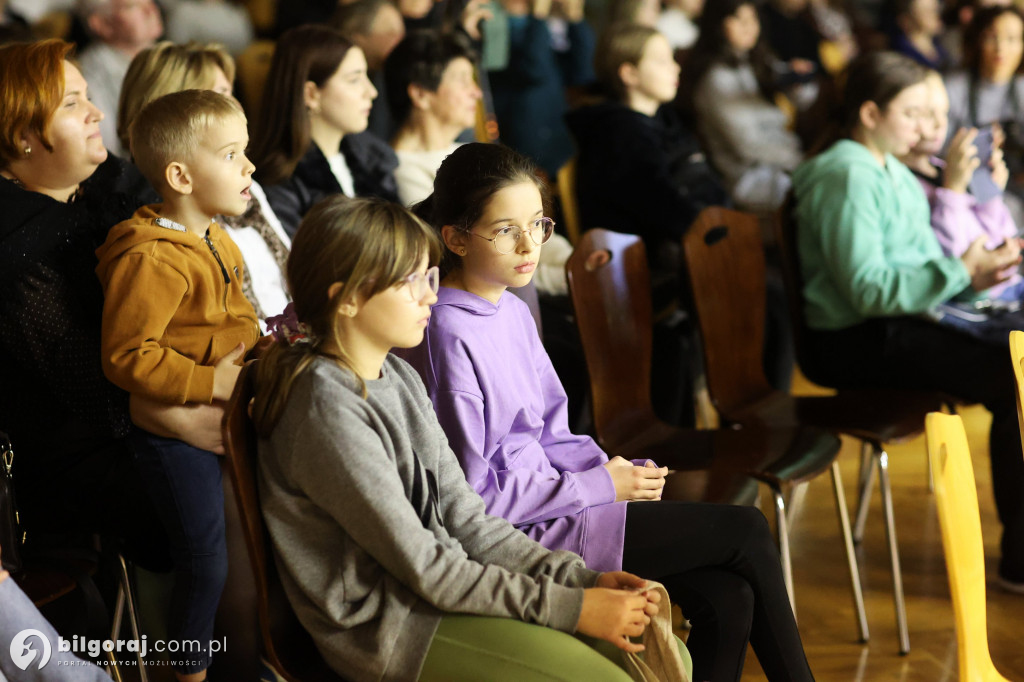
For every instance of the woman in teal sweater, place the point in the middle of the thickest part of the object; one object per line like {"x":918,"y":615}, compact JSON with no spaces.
{"x":873,"y":269}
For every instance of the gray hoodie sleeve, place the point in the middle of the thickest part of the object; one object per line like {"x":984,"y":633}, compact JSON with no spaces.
{"x":374,"y":511}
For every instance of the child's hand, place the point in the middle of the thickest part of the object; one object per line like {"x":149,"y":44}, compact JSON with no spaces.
{"x":961,"y":160}
{"x":225,"y":373}
{"x":614,"y":616}
{"x":475,"y":12}
{"x":635,"y":483}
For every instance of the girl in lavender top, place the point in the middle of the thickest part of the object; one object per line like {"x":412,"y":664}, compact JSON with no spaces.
{"x":504,"y":413}
{"x":959,"y":216}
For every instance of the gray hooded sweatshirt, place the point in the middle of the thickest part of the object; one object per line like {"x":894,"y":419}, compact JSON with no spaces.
{"x":377,"y":534}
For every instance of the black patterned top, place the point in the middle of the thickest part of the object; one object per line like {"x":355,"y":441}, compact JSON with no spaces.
{"x":54,"y":400}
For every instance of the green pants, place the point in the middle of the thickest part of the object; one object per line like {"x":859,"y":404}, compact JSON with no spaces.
{"x":475,"y":648}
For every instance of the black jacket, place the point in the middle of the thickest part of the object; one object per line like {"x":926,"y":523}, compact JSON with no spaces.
{"x":371,"y":161}
{"x":640,"y":174}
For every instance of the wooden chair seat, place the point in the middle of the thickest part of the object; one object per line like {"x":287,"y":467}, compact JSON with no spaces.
{"x":871,"y":415}
{"x":610,"y":288}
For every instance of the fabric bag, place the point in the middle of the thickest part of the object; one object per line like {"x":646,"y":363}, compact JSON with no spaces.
{"x":11,"y":535}
{"x":660,"y":661}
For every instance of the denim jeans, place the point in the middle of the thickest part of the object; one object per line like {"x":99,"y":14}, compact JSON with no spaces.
{"x":185,"y":484}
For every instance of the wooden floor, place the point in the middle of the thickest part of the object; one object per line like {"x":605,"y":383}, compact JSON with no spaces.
{"x":823,"y":602}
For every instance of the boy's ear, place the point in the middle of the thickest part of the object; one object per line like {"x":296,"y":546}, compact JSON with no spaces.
{"x":178,"y":177}
{"x":454,"y":239}
{"x":311,"y":97}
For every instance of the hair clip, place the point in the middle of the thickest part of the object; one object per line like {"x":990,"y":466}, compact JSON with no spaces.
{"x":286,"y":327}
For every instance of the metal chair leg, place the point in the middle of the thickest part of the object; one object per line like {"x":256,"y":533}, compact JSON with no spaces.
{"x":851,"y":559}
{"x":126,"y":600}
{"x":113,"y":669}
{"x":894,"y":552}
{"x":781,"y":528}
{"x":866,"y":482}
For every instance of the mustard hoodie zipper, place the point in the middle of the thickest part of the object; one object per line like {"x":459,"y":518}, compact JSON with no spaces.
{"x":223,"y":270}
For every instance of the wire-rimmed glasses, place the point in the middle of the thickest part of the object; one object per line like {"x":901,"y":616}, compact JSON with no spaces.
{"x":419,"y":283}
{"x":507,"y":238}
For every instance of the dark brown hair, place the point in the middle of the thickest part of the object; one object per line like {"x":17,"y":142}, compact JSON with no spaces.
{"x":305,"y":53}
{"x":712,"y":47}
{"x":877,"y":77}
{"x":421,"y":59}
{"x":983,"y":20}
{"x":465,"y":183}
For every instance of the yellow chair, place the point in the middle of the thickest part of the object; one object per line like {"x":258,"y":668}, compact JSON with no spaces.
{"x":1017,"y":356}
{"x":957,"y":499}
{"x":570,"y":206}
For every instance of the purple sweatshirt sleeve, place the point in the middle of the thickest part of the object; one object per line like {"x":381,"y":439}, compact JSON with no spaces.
{"x":958,"y":219}
{"x":522,"y":496}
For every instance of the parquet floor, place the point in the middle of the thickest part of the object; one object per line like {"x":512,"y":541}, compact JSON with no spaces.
{"x":823,"y":601}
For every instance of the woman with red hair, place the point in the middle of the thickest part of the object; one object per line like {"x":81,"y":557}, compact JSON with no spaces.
{"x":59,"y":194}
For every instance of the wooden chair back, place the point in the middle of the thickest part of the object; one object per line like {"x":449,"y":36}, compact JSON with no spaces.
{"x":253,"y":68}
{"x":287,"y":645}
{"x":612,"y":302}
{"x":957,"y":500}
{"x":785,"y":228}
{"x":725,"y":261}
{"x":570,"y":203}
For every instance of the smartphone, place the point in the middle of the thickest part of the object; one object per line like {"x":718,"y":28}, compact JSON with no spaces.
{"x":983,"y":143}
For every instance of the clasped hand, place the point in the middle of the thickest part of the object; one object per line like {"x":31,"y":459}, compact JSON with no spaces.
{"x":636,"y":482}
{"x":618,"y":608}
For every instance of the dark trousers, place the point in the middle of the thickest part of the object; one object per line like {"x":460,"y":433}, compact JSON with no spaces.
{"x":185,"y":484}
{"x":720,"y":565}
{"x":909,"y":353}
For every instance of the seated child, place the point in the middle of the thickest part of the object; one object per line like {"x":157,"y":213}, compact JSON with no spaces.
{"x":959,"y":218}
{"x":384,"y":550}
{"x":175,"y":321}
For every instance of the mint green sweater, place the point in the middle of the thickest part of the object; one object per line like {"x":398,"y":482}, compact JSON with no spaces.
{"x":865,"y":240}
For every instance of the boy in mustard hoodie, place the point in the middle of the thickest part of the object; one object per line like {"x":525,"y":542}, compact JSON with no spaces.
{"x":175,"y":324}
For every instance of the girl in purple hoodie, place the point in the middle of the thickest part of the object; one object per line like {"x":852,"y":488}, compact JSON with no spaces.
{"x":504,"y":411}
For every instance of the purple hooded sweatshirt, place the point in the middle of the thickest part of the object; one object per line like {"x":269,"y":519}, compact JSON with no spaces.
{"x":504,"y":412}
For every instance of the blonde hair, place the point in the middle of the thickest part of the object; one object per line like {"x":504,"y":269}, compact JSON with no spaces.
{"x":369,"y":245}
{"x":165,"y":68}
{"x":170,"y":128}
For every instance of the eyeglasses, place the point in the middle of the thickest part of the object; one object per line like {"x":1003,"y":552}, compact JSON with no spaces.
{"x":420,"y":283}
{"x":507,"y":238}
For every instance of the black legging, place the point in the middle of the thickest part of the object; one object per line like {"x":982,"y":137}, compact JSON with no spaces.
{"x":720,"y":565}
{"x":909,"y":353}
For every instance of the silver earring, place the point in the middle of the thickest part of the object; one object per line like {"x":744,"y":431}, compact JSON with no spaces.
{"x":28,"y":150}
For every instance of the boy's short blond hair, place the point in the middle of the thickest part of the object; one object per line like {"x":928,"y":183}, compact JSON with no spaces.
{"x":171,"y":128}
